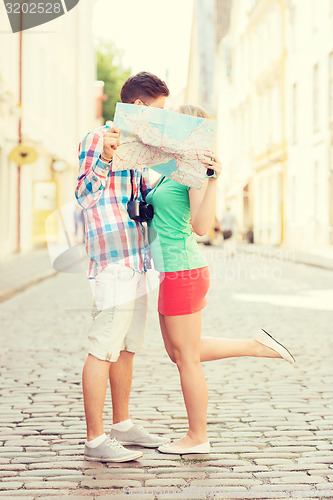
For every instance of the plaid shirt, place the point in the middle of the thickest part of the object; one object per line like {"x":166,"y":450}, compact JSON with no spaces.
{"x":111,"y":236}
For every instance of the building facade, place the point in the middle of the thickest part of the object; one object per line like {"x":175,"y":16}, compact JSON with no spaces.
{"x":56,"y":110}
{"x":309,"y":93}
{"x":210,"y":24}
{"x":275,"y":97}
{"x":252,"y":75}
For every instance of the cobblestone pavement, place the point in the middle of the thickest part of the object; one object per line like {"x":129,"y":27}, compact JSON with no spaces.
{"x":270,"y":423}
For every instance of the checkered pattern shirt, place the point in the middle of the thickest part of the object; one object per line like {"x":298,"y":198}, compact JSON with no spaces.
{"x":111,"y":236}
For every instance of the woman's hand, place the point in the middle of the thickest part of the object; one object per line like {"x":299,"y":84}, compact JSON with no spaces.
{"x":202,"y":201}
{"x":212,"y":161}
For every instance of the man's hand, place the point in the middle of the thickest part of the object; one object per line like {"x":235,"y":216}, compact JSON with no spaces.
{"x":110,"y":142}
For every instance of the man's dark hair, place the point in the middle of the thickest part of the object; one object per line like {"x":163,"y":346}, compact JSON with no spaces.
{"x":142,"y":86}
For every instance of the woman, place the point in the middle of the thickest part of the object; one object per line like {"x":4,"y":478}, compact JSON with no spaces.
{"x":184,"y":282}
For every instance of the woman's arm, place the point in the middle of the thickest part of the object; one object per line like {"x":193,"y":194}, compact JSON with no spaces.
{"x":203,"y":201}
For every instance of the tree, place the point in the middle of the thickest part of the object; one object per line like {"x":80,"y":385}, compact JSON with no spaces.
{"x":111,"y":71}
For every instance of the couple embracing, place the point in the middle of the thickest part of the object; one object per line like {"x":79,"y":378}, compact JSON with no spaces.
{"x":119,"y":258}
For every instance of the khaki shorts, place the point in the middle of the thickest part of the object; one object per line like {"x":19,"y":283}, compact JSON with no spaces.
{"x":119,"y":312}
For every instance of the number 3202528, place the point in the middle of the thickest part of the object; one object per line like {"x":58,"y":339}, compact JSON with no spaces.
{"x":34,"y":8}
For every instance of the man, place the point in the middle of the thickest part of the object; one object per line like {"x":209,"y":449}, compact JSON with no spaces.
{"x":119,"y":258}
{"x":229,"y":225}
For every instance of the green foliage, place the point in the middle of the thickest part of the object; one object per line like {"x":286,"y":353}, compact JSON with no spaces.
{"x":111,"y":71}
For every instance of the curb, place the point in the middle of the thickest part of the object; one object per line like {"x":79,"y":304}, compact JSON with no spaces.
{"x":22,"y":288}
{"x":43,"y":275}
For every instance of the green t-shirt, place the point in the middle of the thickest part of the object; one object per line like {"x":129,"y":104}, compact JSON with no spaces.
{"x":172,"y":243}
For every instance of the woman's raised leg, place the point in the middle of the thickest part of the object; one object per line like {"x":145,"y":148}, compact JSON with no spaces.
{"x":213,"y":348}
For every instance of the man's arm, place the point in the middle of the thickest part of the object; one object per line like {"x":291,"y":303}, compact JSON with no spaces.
{"x":93,"y":168}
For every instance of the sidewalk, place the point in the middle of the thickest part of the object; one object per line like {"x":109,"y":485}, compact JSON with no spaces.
{"x":20,"y":272}
{"x":319,"y":258}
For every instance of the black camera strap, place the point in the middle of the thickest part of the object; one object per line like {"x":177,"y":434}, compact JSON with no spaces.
{"x":132,"y":177}
{"x":132,"y":184}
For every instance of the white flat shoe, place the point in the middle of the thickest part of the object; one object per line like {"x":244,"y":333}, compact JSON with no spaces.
{"x":199,"y":448}
{"x":266,"y":339}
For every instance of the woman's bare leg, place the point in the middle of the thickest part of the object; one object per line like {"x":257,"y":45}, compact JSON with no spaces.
{"x":181,"y":336}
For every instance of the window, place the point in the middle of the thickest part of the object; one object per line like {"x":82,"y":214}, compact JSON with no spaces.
{"x":270,"y":117}
{"x":316,"y":11}
{"x":330,"y":87}
{"x":294,"y":117}
{"x":316,"y":97}
{"x":41,"y":97}
{"x":293,"y":22}
{"x":293,"y":198}
{"x":331,"y":155}
{"x":315,"y":191}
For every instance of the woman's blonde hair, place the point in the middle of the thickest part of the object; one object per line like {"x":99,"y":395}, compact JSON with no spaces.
{"x":191,"y":109}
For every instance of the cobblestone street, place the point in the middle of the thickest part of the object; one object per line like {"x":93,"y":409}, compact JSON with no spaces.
{"x":269,"y":423}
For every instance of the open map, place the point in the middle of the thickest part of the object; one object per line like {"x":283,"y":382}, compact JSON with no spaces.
{"x":171,"y":143}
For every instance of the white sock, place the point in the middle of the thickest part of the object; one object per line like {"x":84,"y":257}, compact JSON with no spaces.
{"x":97,"y":441}
{"x":125,"y":425}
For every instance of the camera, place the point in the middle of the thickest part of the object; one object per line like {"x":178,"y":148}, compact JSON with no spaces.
{"x":140,"y":211}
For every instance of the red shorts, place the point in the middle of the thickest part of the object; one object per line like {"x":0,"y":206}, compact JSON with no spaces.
{"x":183,"y":292}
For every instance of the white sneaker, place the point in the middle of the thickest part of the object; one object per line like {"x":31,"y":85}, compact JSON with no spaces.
{"x":139,"y":436}
{"x":110,"y":451}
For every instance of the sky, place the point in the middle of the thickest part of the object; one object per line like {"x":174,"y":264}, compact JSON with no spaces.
{"x":154,"y":34}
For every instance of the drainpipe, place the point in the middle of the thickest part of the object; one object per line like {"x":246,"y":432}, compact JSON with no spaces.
{"x":18,"y":249}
